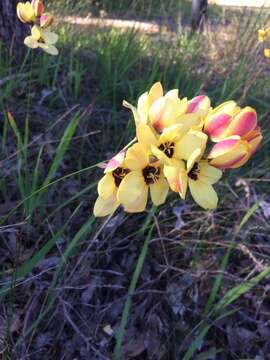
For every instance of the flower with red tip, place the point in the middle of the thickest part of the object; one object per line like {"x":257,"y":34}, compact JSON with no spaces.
{"x":218,"y":120}
{"x":231,"y":152}
{"x":37,"y":5}
{"x":108,"y":186}
{"x":46,"y":20}
{"x":158,"y":110}
{"x":197,"y":175}
{"x":199,"y":105}
{"x":238,"y":137}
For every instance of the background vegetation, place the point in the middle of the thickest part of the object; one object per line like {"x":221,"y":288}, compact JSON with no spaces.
{"x":65,"y":276}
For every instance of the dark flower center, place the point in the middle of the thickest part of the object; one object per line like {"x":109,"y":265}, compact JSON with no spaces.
{"x":167,"y":148}
{"x":194,"y":172}
{"x":119,"y":175}
{"x":151,"y":174}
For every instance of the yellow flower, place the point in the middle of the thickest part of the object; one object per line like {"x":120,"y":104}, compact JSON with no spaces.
{"x":198,"y":175}
{"x":42,"y":38}
{"x":231,"y":152}
{"x":115,"y":171}
{"x":199,"y":105}
{"x":144,"y":176}
{"x":30,"y":12}
{"x":157,"y":109}
{"x":263,"y":34}
{"x":266,"y":53}
{"x":177,"y":141}
{"x":26,"y":12}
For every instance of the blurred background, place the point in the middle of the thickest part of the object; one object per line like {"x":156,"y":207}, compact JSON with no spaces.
{"x":64,"y":276}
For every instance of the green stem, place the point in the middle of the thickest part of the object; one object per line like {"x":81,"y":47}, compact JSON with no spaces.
{"x":24,"y":61}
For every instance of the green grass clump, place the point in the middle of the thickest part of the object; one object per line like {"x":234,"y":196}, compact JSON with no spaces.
{"x":60,"y":118}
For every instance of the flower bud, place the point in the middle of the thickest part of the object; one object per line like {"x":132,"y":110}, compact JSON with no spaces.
{"x":230,"y":153}
{"x":25,"y":12}
{"x":254,"y":139}
{"x":243,"y":122}
{"x":46,"y":20}
{"x":37,"y":5}
{"x":218,"y":120}
{"x":199,"y":105}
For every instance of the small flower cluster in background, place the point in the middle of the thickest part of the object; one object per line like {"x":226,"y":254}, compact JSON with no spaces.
{"x":264,"y":37}
{"x":40,"y":23}
{"x":171,"y":151}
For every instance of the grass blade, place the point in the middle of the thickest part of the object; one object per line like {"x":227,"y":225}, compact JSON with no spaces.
{"x":30,"y":264}
{"x":132,"y":287}
{"x":226,"y":258}
{"x":227,"y":299}
{"x":61,"y":149}
{"x":51,"y":294}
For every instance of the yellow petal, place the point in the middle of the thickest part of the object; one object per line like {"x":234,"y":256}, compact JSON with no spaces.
{"x":50,"y":49}
{"x":131,"y":188}
{"x":182,"y":107}
{"x":49,"y":37}
{"x":136,"y":157}
{"x":172,"y":94}
{"x":106,"y":186}
{"x":162,"y":113}
{"x":159,"y":191}
{"x":172,"y":133}
{"x":176,"y":175}
{"x":156,"y":112}
{"x":160,"y":155}
{"x":139,"y":204}
{"x":143,"y":107}
{"x":26,"y":12}
{"x":230,"y":153}
{"x":145,"y":136}
{"x":31,"y":42}
{"x":36,"y":33}
{"x":104,"y":207}
{"x":209,"y":173}
{"x":187,"y":144}
{"x":155,"y":92}
{"x":189,"y":120}
{"x":203,"y":194}
{"x":195,"y":157}
{"x":266,"y":53}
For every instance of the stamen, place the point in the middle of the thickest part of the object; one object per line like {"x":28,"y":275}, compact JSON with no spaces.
{"x":167,"y":148}
{"x":151,"y":174}
{"x":119,"y":175}
{"x":194,"y":172}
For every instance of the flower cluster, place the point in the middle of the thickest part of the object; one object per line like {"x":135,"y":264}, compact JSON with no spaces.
{"x":171,"y":151}
{"x":40,"y":23}
{"x":263,"y":37}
